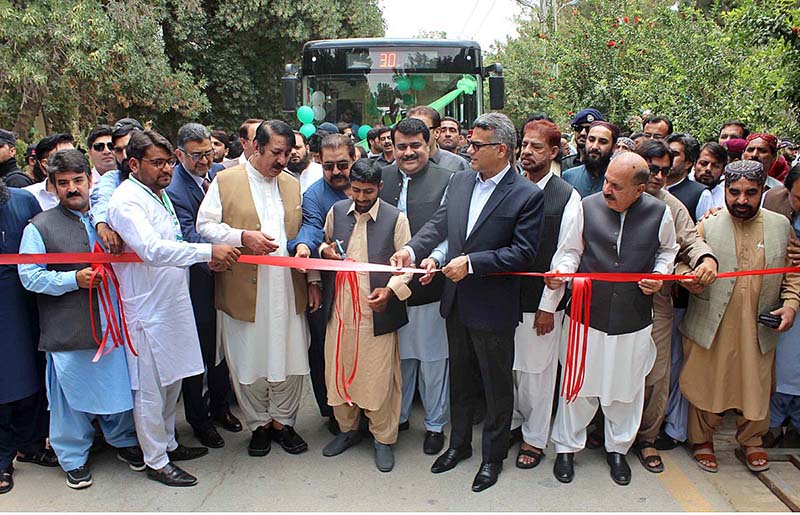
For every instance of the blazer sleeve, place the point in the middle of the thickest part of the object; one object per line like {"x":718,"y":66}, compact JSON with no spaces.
{"x":311,"y":231}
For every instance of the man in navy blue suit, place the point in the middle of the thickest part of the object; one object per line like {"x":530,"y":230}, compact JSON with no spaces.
{"x":491,"y":221}
{"x":190,"y":180}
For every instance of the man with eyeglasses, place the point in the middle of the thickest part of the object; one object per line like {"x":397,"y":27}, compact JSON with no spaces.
{"x":261,"y":309}
{"x":191,"y":178}
{"x":337,"y":153}
{"x":155,"y":296}
{"x":580,"y":128}
{"x":416,"y":186}
{"x":588,"y":177}
{"x":695,"y":253}
{"x":656,"y":127}
{"x":438,"y":156}
{"x":491,"y":220}
{"x":101,"y":152}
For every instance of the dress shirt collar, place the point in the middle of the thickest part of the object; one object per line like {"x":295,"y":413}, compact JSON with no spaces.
{"x":198,"y":180}
{"x":496,"y":179}
{"x":255,"y":173}
{"x":670,"y":186}
{"x":542,"y":183}
{"x":373,"y":211}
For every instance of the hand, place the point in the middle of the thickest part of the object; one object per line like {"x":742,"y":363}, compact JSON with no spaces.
{"x":84,"y":277}
{"x":223,"y":257}
{"x":706,"y":271}
{"x":787,"y":315}
{"x":543,"y":322}
{"x":302,"y":251}
{"x":554,"y":283}
{"x":692,"y":285}
{"x":456,"y":269}
{"x":330,"y":252}
{"x":378,"y":299}
{"x":314,"y":296}
{"x":401,"y":259}
{"x":650,"y":286}
{"x":258,"y":242}
{"x":111,"y":240}
{"x":429,"y":265}
{"x":793,"y":250}
{"x":711,"y":212}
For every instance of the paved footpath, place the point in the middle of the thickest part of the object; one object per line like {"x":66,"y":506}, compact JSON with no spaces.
{"x":230,"y":480}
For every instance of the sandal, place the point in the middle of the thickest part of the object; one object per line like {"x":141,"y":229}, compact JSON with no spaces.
{"x":649,"y":462}
{"x":752,"y":454}
{"x":705,"y":452}
{"x":44,"y":457}
{"x":7,"y":476}
{"x":537,"y":458}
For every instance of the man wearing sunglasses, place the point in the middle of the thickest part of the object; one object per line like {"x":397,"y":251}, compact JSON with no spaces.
{"x":101,"y":152}
{"x":580,"y":128}
{"x":191,"y":178}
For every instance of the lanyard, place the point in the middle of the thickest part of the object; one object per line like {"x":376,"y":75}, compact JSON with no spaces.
{"x":166,"y":203}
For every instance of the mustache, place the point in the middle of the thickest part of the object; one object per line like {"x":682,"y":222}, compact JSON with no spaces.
{"x":73,"y":194}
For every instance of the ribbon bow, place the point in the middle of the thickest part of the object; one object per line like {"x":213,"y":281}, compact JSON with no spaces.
{"x":577,"y":344}
{"x":114,"y":327}
{"x":343,"y":279}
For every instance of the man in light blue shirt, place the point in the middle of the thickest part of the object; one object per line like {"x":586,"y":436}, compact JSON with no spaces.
{"x":588,"y":178}
{"x":79,"y":389}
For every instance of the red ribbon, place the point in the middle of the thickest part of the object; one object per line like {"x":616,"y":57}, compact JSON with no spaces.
{"x":574,"y":371}
{"x":114,"y":327}
{"x":343,"y":280}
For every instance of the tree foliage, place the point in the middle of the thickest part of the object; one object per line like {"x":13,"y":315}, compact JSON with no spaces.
{"x":697,"y":67}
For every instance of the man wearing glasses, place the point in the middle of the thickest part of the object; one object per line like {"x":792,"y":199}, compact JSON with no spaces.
{"x":580,"y":127}
{"x":656,"y":127}
{"x":191,"y":178}
{"x":101,"y":152}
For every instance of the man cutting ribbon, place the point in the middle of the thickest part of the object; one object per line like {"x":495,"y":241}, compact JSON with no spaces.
{"x":622,"y":229}
{"x":78,"y":389}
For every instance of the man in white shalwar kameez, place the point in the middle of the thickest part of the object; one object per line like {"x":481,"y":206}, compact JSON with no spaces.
{"x":155,"y":297}
{"x":261,"y":309}
{"x":622,"y":229}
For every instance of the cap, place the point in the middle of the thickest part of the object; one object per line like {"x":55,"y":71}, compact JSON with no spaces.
{"x":735,"y":145}
{"x":588,"y":115}
{"x":744,"y":166}
{"x":127,"y":123}
{"x":7,"y":138}
{"x":328,"y":126}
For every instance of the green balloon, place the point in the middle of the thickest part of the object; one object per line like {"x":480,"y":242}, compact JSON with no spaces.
{"x":362,"y":131}
{"x":403,"y":83}
{"x":305,"y":114}
{"x":408,"y":99}
{"x":308,"y":128}
{"x":417,"y":82}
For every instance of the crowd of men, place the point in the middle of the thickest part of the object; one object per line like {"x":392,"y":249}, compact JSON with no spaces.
{"x":665,"y":360}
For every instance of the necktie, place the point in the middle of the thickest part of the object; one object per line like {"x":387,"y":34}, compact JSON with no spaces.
{"x":206,"y":184}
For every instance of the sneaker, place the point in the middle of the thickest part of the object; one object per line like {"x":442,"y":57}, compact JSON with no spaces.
{"x":132,"y":456}
{"x":80,"y":477}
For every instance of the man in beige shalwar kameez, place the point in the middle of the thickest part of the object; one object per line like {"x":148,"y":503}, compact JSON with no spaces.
{"x":728,"y":356}
{"x":368,"y":230}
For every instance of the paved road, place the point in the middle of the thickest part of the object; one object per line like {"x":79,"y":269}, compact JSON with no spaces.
{"x":231,"y":480}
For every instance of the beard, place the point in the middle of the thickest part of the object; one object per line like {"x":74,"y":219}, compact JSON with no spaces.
{"x":596,"y":166}
{"x":742,"y":212}
{"x":299,"y":166}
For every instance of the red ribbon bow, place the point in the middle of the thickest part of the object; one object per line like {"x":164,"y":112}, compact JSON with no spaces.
{"x":577,"y":344}
{"x":344,"y":279}
{"x":114,"y":327}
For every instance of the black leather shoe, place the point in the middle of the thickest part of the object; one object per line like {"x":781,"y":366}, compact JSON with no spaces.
{"x":620,"y":471}
{"x":404,"y":426}
{"x":209,"y":436}
{"x":260,"y":442}
{"x":433,"y":442}
{"x":564,"y":467}
{"x":450,"y":459}
{"x":228,"y":422}
{"x":172,"y":475}
{"x":183,"y":453}
{"x":289,"y":440}
{"x":487,"y":476}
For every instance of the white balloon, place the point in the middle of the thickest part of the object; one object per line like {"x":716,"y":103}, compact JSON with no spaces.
{"x":317,"y":98}
{"x":319,"y":113}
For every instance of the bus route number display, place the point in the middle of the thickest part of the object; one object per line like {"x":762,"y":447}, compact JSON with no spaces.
{"x":389,"y":59}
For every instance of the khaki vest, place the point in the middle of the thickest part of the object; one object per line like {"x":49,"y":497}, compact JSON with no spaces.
{"x":235,"y":289}
{"x":705,"y":311}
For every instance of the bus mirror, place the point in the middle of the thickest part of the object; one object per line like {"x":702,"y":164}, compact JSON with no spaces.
{"x":497,"y":92}
{"x":289,"y":93}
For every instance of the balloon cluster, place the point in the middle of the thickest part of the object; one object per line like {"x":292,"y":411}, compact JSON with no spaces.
{"x":404,"y":83}
{"x":307,"y":115}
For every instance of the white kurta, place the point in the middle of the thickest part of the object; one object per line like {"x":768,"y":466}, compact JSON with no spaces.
{"x":616,"y":366}
{"x":275,"y":346}
{"x":155,"y":294}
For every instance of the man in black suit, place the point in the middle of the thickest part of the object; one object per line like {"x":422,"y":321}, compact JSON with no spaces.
{"x":491,"y":221}
{"x":685,"y":151}
{"x":190,"y":180}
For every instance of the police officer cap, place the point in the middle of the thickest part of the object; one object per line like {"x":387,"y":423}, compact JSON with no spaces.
{"x":588,"y":115}
{"x":7,"y":138}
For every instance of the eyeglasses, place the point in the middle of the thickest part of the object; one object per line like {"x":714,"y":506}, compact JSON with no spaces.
{"x":197,"y":156}
{"x":477,"y":145}
{"x":99,"y":147}
{"x":161,"y":163}
{"x":581,"y":128}
{"x":650,"y":135}
{"x":655,"y":170}
{"x":341,"y":165}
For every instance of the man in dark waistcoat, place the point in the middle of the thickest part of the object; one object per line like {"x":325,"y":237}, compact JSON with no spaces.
{"x":621,"y":229}
{"x":362,"y":364}
{"x":78,"y":389}
{"x":415,"y":185}
{"x":23,"y":407}
{"x":537,"y":339}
